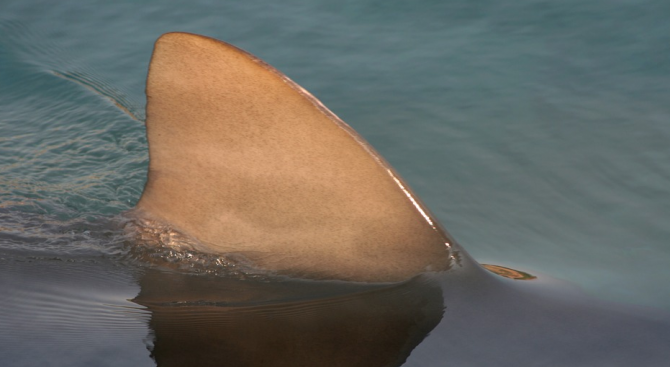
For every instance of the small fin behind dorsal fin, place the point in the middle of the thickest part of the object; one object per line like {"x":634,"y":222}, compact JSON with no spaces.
{"x":248,"y":162}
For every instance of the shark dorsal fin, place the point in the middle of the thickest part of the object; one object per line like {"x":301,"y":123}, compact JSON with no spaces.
{"x":248,"y":162}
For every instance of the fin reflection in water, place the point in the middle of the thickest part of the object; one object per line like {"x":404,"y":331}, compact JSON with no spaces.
{"x":216,"y":321}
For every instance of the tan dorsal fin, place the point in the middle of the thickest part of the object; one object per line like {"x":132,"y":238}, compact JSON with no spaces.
{"x":248,"y":162}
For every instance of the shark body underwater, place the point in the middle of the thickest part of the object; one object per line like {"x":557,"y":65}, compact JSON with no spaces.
{"x":248,"y":166}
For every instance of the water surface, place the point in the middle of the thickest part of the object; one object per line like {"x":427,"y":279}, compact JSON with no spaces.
{"x":536,"y":131}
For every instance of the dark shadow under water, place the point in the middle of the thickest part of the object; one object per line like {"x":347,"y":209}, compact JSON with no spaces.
{"x":463,"y":317}
{"x":205,"y":321}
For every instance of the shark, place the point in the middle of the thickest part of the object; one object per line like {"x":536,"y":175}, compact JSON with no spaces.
{"x":331,"y":258}
{"x":245,"y":162}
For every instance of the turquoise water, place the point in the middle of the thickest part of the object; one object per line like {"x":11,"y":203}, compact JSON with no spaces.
{"x":537,"y":132}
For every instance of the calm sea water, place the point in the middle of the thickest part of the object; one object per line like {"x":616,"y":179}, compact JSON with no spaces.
{"x":538,"y":132}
